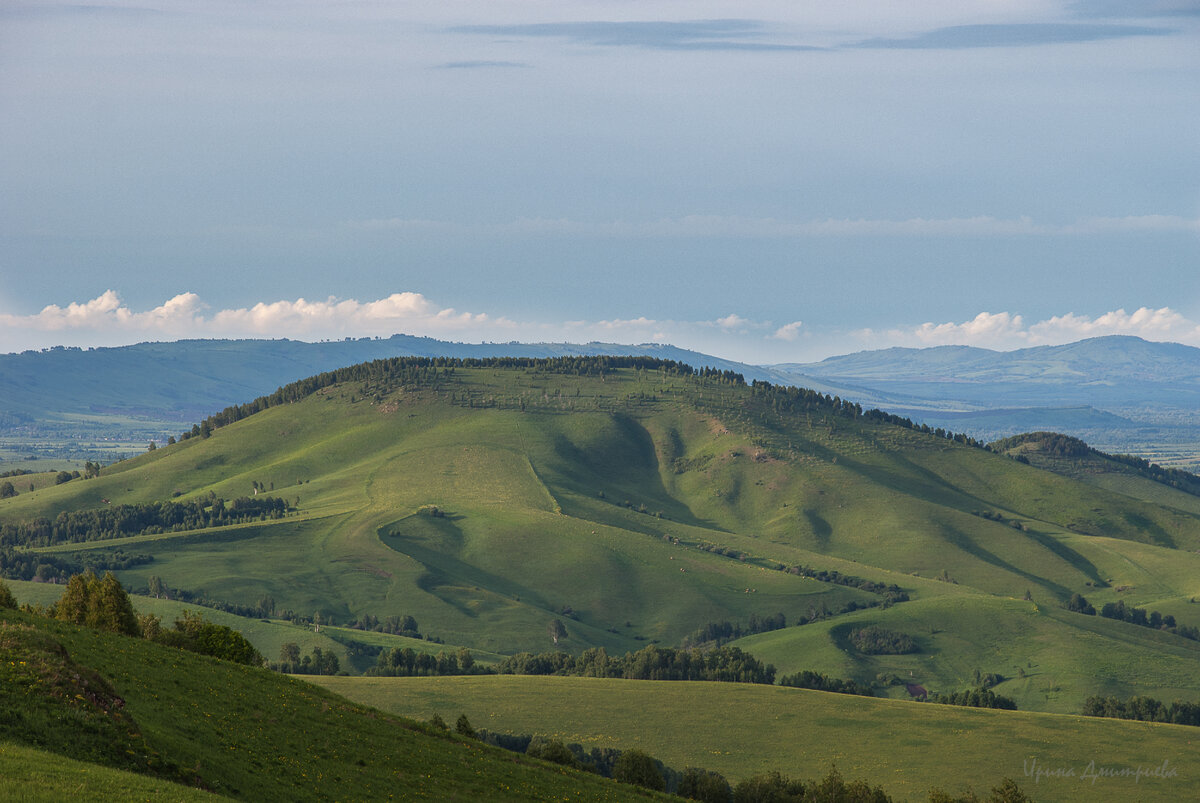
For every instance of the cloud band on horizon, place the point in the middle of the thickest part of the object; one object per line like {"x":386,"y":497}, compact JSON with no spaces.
{"x":107,"y":321}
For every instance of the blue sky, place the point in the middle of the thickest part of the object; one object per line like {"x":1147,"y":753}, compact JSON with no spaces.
{"x":767,"y":181}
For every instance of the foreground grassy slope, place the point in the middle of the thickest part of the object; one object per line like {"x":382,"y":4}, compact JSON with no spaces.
{"x":251,"y":734}
{"x":741,"y":730}
{"x":598,"y":500}
{"x":29,"y":774}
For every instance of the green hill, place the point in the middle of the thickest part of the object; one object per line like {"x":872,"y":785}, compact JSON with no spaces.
{"x":242,"y":732}
{"x":637,"y":501}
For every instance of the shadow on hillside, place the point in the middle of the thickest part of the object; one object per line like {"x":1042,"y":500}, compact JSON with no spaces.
{"x":971,"y":547}
{"x":442,"y":569}
{"x":622,"y":465}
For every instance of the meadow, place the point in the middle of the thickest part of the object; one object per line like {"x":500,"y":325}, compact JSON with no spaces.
{"x":742,"y":730}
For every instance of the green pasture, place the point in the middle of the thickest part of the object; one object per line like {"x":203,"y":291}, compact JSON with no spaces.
{"x":741,"y":730}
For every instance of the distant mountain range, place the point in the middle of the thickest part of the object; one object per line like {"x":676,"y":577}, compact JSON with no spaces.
{"x":1124,"y":394}
{"x":1104,"y":372}
{"x":1120,"y":393}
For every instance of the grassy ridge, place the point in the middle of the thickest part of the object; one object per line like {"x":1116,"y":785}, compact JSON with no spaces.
{"x":593,"y":499}
{"x":742,"y":730}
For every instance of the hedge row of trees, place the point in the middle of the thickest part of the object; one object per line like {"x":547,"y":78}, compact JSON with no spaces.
{"x":317,"y":662}
{"x":807,"y":679}
{"x":890,"y":592}
{"x":1135,"y":616}
{"x":18,"y":564}
{"x":717,"y":633}
{"x":973,"y":698}
{"x":1139,"y":616}
{"x":395,"y":625}
{"x":119,"y":521}
{"x":1146,"y":709}
{"x":728,"y":664}
{"x":406,"y":662}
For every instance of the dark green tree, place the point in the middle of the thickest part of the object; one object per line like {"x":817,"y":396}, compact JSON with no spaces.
{"x":640,"y":769}
{"x":704,"y":785}
{"x":111,"y":609}
{"x":7,"y":600}
{"x":1078,"y":604}
{"x":102,"y":604}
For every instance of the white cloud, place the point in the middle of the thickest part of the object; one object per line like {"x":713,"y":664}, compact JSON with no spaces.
{"x":985,"y":326}
{"x":106,"y":313}
{"x":106,"y":320}
{"x":788,"y":332}
{"x":1005,"y":330}
{"x":732,"y":322}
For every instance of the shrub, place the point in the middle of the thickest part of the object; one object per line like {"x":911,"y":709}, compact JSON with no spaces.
{"x":194,"y":634}
{"x":640,"y":769}
{"x":704,"y":785}
{"x":7,"y":600}
{"x":875,"y":640}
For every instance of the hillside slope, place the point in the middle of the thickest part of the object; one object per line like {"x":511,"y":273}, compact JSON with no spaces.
{"x":637,"y":502}
{"x":248,"y":733}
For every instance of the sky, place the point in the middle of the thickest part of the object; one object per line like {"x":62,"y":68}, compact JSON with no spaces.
{"x":764,"y":181}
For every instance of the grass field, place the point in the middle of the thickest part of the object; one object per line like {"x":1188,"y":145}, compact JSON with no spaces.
{"x":743,"y":729}
{"x":36,"y":776}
